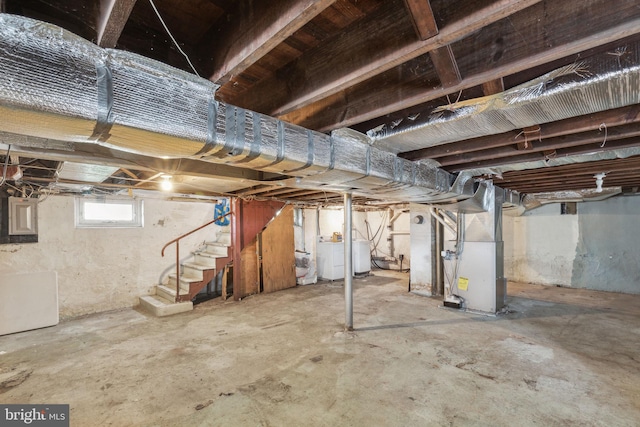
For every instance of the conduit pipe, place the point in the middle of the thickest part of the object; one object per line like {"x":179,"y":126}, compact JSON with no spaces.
{"x":57,"y":86}
{"x":441,"y":220}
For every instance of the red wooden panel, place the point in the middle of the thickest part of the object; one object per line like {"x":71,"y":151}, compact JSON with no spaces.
{"x":254,"y":216}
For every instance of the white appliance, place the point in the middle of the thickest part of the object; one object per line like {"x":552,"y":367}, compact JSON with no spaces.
{"x":361,"y":256}
{"x":28,"y":301}
{"x":330,"y":259}
{"x":480,"y":268}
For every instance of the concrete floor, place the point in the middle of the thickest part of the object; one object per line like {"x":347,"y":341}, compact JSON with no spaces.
{"x":559,"y":357}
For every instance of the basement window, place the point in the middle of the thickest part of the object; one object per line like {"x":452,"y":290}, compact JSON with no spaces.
{"x":568,"y":208}
{"x":100,"y":212}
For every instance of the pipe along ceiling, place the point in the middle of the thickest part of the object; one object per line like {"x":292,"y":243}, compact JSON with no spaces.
{"x":57,"y":86}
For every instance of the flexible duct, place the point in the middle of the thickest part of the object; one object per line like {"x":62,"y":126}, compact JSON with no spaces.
{"x":532,"y":201}
{"x":584,"y":87}
{"x":57,"y":86}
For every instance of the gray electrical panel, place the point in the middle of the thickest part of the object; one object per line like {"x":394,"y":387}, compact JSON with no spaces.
{"x":23,"y":216}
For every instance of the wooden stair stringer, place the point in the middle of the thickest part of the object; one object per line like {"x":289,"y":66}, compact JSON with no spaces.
{"x":195,"y":287}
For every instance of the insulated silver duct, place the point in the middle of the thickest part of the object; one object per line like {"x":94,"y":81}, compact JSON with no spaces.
{"x":621,"y":153}
{"x":57,"y":86}
{"x":585,"y":87}
{"x":532,"y":201}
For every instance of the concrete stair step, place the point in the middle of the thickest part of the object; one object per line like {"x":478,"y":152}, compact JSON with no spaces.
{"x":215,"y":248}
{"x":184,"y":279}
{"x":205,"y":258}
{"x":224,"y":238}
{"x":208,"y":254}
{"x":192,"y":272}
{"x":160,"y":307}
{"x":197,"y":266}
{"x":169,"y":293}
{"x":216,"y":243}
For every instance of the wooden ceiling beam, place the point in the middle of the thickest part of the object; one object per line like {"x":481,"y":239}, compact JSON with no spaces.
{"x":572,"y":186}
{"x":113,"y":16}
{"x":426,"y":27}
{"x":366,"y":50}
{"x":619,"y":165}
{"x":585,"y":179}
{"x":498,"y":50}
{"x":590,"y":122}
{"x":422,"y":17}
{"x":539,"y":156}
{"x":129,"y":173}
{"x":149,"y":179}
{"x":446,"y":66}
{"x":320,"y":196}
{"x":255,"y":28}
{"x":302,"y":193}
{"x":256,"y":190}
{"x":492,"y":87}
{"x":587,"y":168}
{"x":282,"y":192}
{"x":562,"y":178}
{"x":592,"y":138}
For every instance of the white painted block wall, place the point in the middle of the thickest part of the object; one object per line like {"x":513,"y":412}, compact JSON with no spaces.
{"x":106,"y":269}
{"x":332,"y":220}
{"x":596,"y":249}
{"x":540,"y":246}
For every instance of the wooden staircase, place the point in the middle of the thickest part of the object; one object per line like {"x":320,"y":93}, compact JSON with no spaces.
{"x":261,"y":239}
{"x":194,"y":276}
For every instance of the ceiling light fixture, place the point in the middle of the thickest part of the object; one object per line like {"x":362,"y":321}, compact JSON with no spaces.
{"x":166,"y":183}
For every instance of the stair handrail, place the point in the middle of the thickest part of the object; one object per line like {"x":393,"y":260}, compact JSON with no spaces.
{"x":177,"y":242}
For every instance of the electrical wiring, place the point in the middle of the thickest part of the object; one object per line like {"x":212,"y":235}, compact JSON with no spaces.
{"x":26,"y":166}
{"x":378,"y":266}
{"x":377,"y":234}
{"x":22,"y":190}
{"x":374,"y":250}
{"x":6,"y":164}
{"x":172,"y":38}
{"x":372,"y":240}
{"x":454,"y":262}
{"x":451,"y":275}
{"x":361,"y":235}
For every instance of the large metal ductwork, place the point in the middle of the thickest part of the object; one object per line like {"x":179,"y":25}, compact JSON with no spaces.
{"x":585,"y":87}
{"x":55,"y":86}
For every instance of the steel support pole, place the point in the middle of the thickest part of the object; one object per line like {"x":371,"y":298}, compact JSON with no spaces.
{"x":348,"y":263}
{"x":437,"y":245}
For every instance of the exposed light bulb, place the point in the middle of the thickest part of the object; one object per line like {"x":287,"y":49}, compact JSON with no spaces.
{"x":166,"y":183}
{"x":599,"y":181}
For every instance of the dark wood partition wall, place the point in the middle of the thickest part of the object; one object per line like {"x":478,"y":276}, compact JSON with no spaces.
{"x":278,"y":253}
{"x":267,"y":257}
{"x":254,"y":216}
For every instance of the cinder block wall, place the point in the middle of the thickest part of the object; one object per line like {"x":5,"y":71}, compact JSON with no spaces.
{"x":103,"y":269}
{"x":595,"y":249}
